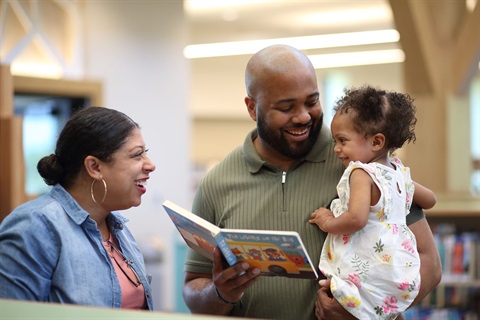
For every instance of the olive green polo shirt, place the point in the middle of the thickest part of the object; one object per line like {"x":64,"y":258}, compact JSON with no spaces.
{"x":245,"y":192}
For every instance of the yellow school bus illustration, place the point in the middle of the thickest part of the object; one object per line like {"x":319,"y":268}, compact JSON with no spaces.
{"x":268,"y":257}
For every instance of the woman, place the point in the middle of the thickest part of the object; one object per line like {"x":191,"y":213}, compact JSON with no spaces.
{"x":70,"y":245}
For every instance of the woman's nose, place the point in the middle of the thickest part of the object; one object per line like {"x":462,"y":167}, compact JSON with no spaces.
{"x":149,"y":165}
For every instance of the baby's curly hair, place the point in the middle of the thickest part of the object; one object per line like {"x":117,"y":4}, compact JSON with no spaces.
{"x":375,"y":110}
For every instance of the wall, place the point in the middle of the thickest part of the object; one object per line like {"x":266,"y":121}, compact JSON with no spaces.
{"x":135,"y":49}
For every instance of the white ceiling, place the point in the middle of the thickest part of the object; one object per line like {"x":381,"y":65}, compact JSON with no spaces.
{"x":233,"y":20}
{"x":217,"y":83}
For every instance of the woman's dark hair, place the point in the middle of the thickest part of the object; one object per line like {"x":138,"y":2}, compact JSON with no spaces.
{"x":379,"y":111}
{"x":95,"y":131}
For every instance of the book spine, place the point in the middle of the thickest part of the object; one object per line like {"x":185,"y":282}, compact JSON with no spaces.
{"x":224,"y":247}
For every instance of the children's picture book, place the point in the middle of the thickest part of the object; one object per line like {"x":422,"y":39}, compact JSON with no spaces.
{"x":275,"y":253}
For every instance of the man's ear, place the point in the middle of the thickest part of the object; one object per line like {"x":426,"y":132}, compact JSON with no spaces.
{"x":378,"y":141}
{"x":251,"y":107}
{"x":92,"y":166}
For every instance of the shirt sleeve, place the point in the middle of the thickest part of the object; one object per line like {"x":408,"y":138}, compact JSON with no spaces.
{"x":416,"y":214}
{"x":27,"y":258}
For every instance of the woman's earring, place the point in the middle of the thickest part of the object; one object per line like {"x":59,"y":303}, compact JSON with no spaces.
{"x":104,"y":192}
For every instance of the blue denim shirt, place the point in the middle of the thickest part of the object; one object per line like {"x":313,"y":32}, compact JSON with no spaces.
{"x":51,"y":250}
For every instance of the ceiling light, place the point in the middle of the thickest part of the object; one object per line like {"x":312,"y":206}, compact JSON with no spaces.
{"x":208,"y":5}
{"x":354,"y":16}
{"x":346,"y":59}
{"x":302,"y":43}
{"x":471,"y":5}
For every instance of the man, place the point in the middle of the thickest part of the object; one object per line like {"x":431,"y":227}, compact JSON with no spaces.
{"x":285,"y":170}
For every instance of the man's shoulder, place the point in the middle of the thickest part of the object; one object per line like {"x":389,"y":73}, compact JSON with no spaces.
{"x":228,"y":165}
{"x":231,"y":158}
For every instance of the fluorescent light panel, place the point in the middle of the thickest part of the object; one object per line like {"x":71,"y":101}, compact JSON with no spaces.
{"x":359,"y":58}
{"x":208,"y":5}
{"x":220,"y":49}
{"x":381,"y":15}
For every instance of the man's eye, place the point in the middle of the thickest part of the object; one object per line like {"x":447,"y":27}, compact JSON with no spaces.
{"x":285,"y":109}
{"x":312,"y":103}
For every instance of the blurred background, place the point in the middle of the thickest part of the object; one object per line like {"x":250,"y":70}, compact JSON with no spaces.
{"x":177,"y":68}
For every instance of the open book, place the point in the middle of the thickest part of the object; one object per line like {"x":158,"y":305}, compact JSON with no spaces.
{"x":275,"y":253}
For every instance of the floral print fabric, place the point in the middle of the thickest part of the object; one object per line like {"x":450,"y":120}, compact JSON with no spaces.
{"x":375,"y":272}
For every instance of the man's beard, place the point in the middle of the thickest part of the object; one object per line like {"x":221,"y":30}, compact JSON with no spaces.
{"x":278,"y":141}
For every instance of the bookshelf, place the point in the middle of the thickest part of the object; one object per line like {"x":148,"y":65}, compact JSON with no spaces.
{"x":455,"y":223}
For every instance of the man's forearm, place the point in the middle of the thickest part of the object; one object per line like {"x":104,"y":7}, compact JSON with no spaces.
{"x":200,"y":298}
{"x":430,"y":266}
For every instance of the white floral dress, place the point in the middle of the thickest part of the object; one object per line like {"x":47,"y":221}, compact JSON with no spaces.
{"x":375,"y":272}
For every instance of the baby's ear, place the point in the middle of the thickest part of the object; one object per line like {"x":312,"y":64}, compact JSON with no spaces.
{"x":378,"y":141}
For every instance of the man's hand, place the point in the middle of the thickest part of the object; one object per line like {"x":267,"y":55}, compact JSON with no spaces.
{"x":232,"y":282}
{"x":327,"y":307}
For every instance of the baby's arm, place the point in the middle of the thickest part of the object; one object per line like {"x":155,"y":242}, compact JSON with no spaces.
{"x":423,"y":196}
{"x":359,"y":206}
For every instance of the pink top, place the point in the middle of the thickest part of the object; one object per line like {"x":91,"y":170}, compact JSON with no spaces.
{"x":133,"y":297}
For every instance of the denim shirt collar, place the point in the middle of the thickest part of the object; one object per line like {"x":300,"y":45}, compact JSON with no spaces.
{"x":78,"y":214}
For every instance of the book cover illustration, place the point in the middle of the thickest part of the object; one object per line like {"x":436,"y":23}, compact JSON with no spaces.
{"x":275,"y":254}
{"x":196,"y":236}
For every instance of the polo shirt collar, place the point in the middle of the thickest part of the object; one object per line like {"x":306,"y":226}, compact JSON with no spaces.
{"x":318,"y":153}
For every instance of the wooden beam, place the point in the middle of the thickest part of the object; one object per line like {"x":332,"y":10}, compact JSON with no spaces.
{"x":12,"y":171}
{"x":466,"y":53}
{"x":62,"y":88}
{"x":419,"y":80}
{"x":6,"y":92}
{"x":435,"y":52}
{"x":12,"y":168}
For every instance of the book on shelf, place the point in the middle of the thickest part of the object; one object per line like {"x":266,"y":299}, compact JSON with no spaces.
{"x":459,"y":254}
{"x":275,"y":253}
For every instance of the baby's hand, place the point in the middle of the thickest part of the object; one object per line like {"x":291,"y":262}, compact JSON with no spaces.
{"x":320,"y":217}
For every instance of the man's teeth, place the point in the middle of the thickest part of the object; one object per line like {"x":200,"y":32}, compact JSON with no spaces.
{"x":298,"y":132}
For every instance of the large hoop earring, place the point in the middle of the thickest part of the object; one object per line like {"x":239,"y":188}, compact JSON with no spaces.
{"x":104,"y":192}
